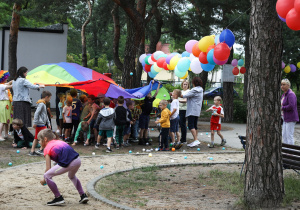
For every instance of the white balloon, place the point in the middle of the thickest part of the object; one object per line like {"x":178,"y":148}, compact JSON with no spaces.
{"x":157,"y":54}
{"x":142,"y":57}
{"x":150,"y":61}
{"x":192,"y":57}
{"x":196,"y":66}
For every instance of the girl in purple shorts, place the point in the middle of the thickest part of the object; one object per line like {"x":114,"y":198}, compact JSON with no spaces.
{"x":67,"y":161}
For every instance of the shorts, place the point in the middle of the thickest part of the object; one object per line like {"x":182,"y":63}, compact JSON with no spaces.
{"x":68,"y":125}
{"x":38,"y":129}
{"x":192,"y":122}
{"x":174,"y":125}
{"x":215,"y":126}
{"x":127,"y":130}
{"x":109,"y":133}
{"x":93,"y":124}
{"x":144,"y":121}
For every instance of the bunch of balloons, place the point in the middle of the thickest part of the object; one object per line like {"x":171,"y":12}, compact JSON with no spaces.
{"x":238,"y":66}
{"x":290,"y":68}
{"x":199,"y":55}
{"x":289,"y":12}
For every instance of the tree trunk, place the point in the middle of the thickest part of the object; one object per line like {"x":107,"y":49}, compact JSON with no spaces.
{"x":117,"y":35}
{"x":13,"y":41}
{"x":228,"y":101}
{"x":83,"y":38}
{"x":247,"y":65}
{"x":264,"y":186}
{"x":203,"y":76}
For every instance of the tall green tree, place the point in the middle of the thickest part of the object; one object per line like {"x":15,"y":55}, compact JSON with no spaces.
{"x":264,"y":187}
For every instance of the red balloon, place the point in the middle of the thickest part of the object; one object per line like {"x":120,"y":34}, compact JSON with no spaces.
{"x":166,"y":66}
{"x":297,"y":5}
{"x":243,"y":70}
{"x":152,"y":57}
{"x":221,"y":52}
{"x":235,"y":71}
{"x":148,"y":68}
{"x":283,"y":7}
{"x":196,"y":51}
{"x":293,"y":20}
{"x":203,"y":58}
{"x":210,"y":47}
{"x":160,"y":62}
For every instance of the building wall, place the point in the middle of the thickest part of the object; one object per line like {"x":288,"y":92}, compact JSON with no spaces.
{"x":38,"y":48}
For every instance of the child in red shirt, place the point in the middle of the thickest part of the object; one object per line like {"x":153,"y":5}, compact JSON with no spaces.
{"x":215,"y":121}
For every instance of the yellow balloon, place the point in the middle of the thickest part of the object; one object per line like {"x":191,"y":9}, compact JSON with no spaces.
{"x":205,"y":42}
{"x":186,"y":75}
{"x":287,"y":69}
{"x":174,"y":61}
{"x":213,"y":36}
{"x":190,"y":69}
{"x":156,"y":68}
{"x":169,"y":67}
{"x":298,"y":65}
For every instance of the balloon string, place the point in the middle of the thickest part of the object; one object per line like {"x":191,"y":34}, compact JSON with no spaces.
{"x":238,"y":17}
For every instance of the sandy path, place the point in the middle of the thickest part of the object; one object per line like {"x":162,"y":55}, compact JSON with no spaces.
{"x":20,"y":188}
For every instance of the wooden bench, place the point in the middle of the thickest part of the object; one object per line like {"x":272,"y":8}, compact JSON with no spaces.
{"x":290,"y":155}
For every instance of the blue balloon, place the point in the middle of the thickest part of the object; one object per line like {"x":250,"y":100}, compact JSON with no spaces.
{"x":179,"y":73}
{"x":227,"y":37}
{"x":151,"y":75}
{"x":241,"y":62}
{"x":153,"y":71}
{"x":207,"y":67}
{"x":210,"y":57}
{"x":143,"y":63}
{"x":185,"y":54}
{"x":183,"y":64}
{"x":217,"y":39}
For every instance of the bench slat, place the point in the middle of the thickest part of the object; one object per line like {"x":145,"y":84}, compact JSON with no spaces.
{"x":292,"y":163}
{"x":287,"y":166}
{"x":290,"y":151}
{"x":291,"y":146}
{"x":292,"y":157}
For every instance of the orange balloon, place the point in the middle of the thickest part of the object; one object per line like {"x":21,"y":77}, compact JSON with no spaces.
{"x":173,"y":149}
{"x":196,"y":51}
{"x":235,"y":71}
{"x":210,"y":47}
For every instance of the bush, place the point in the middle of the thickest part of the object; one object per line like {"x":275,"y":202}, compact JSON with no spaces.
{"x":239,"y":111}
{"x":170,"y":87}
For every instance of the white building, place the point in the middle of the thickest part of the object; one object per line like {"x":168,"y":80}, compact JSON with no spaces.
{"x":36,"y":46}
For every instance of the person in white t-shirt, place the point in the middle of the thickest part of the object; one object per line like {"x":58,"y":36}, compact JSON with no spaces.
{"x":182,"y":110}
{"x":174,"y":119}
{"x":67,"y":118}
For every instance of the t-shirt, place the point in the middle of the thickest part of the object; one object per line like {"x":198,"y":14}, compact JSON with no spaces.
{"x":60,"y":152}
{"x":94,"y":109}
{"x":60,"y":110}
{"x":182,"y":106}
{"x":219,"y":110}
{"x":147,"y":106}
{"x":20,"y":134}
{"x":85,"y":111}
{"x":76,"y":105}
{"x":3,"y":93}
{"x":174,"y":105}
{"x":67,"y":112}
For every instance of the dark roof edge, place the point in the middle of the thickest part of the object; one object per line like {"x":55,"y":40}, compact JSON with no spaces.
{"x":59,"y":31}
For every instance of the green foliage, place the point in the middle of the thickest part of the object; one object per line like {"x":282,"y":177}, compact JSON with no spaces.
{"x":292,"y":189}
{"x":171,"y":87}
{"x":239,"y":111}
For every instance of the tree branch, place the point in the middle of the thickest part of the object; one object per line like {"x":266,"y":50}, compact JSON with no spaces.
{"x":116,"y":43}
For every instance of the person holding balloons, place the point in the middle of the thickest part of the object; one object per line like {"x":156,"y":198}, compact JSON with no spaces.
{"x":194,"y":104}
{"x":289,"y":112}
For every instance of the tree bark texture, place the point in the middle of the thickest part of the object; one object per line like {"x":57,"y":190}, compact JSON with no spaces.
{"x":247,"y":66}
{"x":228,"y":101}
{"x":13,"y":41}
{"x":264,"y":186}
{"x":83,"y":38}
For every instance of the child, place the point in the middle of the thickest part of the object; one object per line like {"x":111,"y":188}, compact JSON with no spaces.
{"x":165,"y":125}
{"x":67,"y":161}
{"x":67,"y":118}
{"x":127,"y":128}
{"x":145,"y":116}
{"x":83,"y":131}
{"x":106,"y":123}
{"x":62,"y":98}
{"x":215,"y":121}
{"x":121,"y":120}
{"x":174,"y":119}
{"x":40,"y":120}
{"x":137,"y":111}
{"x":76,"y":110}
{"x":22,"y":136}
{"x":92,"y":116}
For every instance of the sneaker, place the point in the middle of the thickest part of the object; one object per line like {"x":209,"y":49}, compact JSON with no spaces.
{"x":40,"y":152}
{"x":135,"y":140}
{"x":56,"y":201}
{"x":84,"y":199}
{"x":97,"y":146}
{"x":33,"y":154}
{"x":117,"y":147}
{"x":178,"y":145}
{"x":194,"y":143}
{"x":223,"y":142}
{"x":108,"y":150}
{"x":211,"y":145}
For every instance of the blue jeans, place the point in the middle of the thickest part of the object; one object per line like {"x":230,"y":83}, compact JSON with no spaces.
{"x":135,"y":133}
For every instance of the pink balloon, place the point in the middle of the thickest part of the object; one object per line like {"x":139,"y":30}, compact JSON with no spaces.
{"x":282,"y":65}
{"x":234,"y":62}
{"x":219,"y":62}
{"x":189,"y":45}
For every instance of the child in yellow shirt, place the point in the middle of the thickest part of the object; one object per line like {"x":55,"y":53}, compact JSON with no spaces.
{"x":165,"y":125}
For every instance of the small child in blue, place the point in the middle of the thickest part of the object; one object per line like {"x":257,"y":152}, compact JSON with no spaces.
{"x":67,"y":161}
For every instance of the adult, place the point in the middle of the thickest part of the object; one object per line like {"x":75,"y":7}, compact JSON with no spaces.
{"x":21,"y":98}
{"x":182,"y":110}
{"x":5,"y":104}
{"x":194,"y":104}
{"x":289,"y":112}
